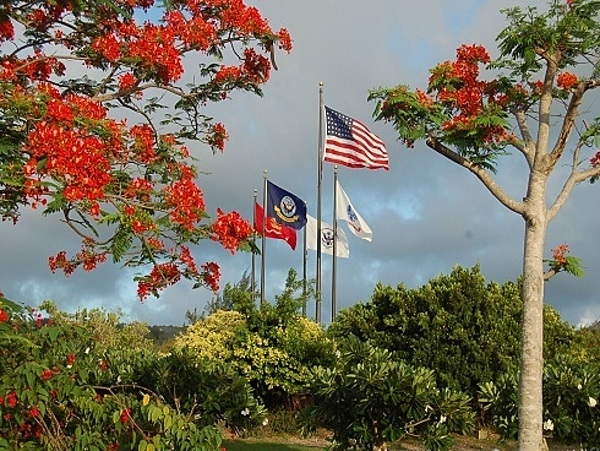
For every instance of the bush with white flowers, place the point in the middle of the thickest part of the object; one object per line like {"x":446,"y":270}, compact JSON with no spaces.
{"x":571,"y":410}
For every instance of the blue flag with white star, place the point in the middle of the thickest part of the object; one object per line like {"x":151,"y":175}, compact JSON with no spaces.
{"x":287,"y":208}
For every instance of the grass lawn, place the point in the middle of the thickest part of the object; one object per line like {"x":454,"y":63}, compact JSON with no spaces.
{"x":291,"y":443}
{"x":286,"y":442}
{"x":260,"y":445}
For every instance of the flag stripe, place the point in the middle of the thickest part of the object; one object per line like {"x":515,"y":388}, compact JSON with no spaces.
{"x":341,"y":151}
{"x":350,"y":146}
{"x":360,"y":129}
{"x":350,"y":143}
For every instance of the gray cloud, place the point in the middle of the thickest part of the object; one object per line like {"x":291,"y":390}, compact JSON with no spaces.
{"x":426,"y":214}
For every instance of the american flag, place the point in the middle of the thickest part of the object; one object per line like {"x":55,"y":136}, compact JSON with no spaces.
{"x":350,"y":143}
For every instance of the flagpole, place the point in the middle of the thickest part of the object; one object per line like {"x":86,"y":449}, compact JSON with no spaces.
{"x":335,"y":237}
{"x":304,"y":258}
{"x":319,"y":183}
{"x":253,"y":281}
{"x":263,"y":244}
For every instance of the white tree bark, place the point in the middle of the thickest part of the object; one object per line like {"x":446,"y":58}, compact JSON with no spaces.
{"x":532,"y":363}
{"x":536,"y":214}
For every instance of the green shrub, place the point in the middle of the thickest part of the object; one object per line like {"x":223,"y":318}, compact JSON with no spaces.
{"x":369,"y":398}
{"x":63,"y":387}
{"x":571,"y":410}
{"x":465,"y":329}
{"x":271,"y":345}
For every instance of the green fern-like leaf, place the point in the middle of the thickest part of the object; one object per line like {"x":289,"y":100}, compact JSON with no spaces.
{"x":573,"y":266}
{"x":121,"y":243}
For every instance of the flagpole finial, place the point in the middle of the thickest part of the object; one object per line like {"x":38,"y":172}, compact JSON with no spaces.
{"x":265,"y":173}
{"x":321,"y":84}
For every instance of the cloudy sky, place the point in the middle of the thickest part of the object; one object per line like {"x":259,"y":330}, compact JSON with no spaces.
{"x":427,"y":214}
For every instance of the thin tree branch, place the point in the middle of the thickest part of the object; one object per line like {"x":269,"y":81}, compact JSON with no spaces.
{"x":528,"y":148}
{"x":573,"y":179}
{"x":481,"y":174}
{"x":568,"y":123}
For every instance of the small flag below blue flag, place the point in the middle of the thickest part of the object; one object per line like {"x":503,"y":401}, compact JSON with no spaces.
{"x":287,"y":208}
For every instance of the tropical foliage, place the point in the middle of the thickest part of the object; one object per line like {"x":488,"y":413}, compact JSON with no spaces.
{"x":369,"y":398}
{"x":99,"y":100}
{"x":59,"y":390}
{"x":272,"y":345}
{"x":571,"y":411}
{"x":531,"y":105}
{"x":465,"y":329}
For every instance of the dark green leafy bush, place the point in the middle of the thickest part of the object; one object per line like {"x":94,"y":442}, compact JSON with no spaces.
{"x":571,"y":410}
{"x":369,"y":398}
{"x":465,"y":329}
{"x":59,"y":391}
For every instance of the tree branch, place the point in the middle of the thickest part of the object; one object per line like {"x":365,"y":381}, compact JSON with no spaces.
{"x":481,"y":174}
{"x":528,"y":149}
{"x":545,"y":105}
{"x":573,"y":179}
{"x":568,"y":122}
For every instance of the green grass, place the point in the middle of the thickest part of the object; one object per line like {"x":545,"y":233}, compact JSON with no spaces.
{"x":260,"y":445}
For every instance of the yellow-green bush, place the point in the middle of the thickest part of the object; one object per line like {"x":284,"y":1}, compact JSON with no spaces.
{"x":212,"y":337}
{"x":272,"y":345}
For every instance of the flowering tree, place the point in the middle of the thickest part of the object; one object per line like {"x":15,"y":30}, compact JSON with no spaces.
{"x":96,"y":110}
{"x":472,"y":122}
{"x":62,"y":388}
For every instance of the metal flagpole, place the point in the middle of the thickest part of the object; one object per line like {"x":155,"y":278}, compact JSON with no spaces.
{"x":253,"y":280}
{"x":319,"y":183}
{"x":263,"y":244}
{"x":335,"y":237}
{"x":304,"y":258}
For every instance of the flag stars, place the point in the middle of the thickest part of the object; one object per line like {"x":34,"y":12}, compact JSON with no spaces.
{"x":338,"y":124}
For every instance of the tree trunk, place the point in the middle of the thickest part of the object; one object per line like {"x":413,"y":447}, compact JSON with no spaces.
{"x":532,"y":364}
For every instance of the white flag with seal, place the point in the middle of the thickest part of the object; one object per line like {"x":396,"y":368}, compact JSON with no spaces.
{"x":345,"y":211}
{"x":342,"y":248}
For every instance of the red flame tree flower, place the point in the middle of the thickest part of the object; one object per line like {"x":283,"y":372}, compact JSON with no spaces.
{"x":84,"y":135}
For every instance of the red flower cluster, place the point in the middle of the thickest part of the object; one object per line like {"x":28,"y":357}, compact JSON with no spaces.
{"x":558,"y":255}
{"x":60,"y":261}
{"x":46,"y":374}
{"x":87,"y":258}
{"x":143,"y":143}
{"x":161,"y":276}
{"x":284,"y":40}
{"x":3,"y":316}
{"x":186,"y":258}
{"x":211,"y":275}
{"x":185,"y":200}
{"x":126,"y":416}
{"x":595,"y":159}
{"x":216,"y":139}
{"x":63,"y":148}
{"x":11,"y":400}
{"x":230,"y":229}
{"x":7,"y":31}
{"x":458,"y":87}
{"x":567,"y":80}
